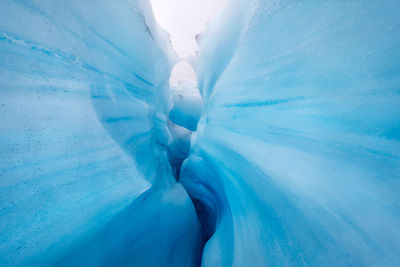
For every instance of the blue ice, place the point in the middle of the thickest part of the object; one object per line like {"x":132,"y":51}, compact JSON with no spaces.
{"x":284,"y":152}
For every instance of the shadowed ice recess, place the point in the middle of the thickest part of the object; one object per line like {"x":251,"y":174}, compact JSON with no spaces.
{"x":286,"y":152}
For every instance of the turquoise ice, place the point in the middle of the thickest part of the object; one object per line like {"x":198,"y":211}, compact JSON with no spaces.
{"x":288,"y":156}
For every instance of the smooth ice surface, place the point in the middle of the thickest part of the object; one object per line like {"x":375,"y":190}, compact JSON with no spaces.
{"x":84,"y":172}
{"x":297,"y":153}
{"x":187,"y":104}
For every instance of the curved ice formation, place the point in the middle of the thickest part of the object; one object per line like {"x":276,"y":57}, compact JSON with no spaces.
{"x":187,"y":105}
{"x":85,"y":178}
{"x":297,"y":153}
{"x":295,"y":161}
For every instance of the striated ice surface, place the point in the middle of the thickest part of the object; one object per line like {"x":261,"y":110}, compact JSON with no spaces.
{"x":289,"y":156}
{"x":297,"y":154}
{"x":84,"y":172}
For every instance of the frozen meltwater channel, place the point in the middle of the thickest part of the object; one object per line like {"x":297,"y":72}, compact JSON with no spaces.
{"x":186,"y":21}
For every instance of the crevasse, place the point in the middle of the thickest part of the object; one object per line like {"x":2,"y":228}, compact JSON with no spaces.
{"x":294,"y":161}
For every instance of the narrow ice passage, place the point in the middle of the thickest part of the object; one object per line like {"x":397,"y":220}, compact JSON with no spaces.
{"x":287,"y":154}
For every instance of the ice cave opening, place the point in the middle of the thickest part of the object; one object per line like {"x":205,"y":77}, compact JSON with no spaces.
{"x":185,"y":22}
{"x":184,"y":114}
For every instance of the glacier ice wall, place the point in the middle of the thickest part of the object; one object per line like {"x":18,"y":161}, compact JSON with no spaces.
{"x":295,"y":161}
{"x":297,"y":156}
{"x":84,"y":102}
